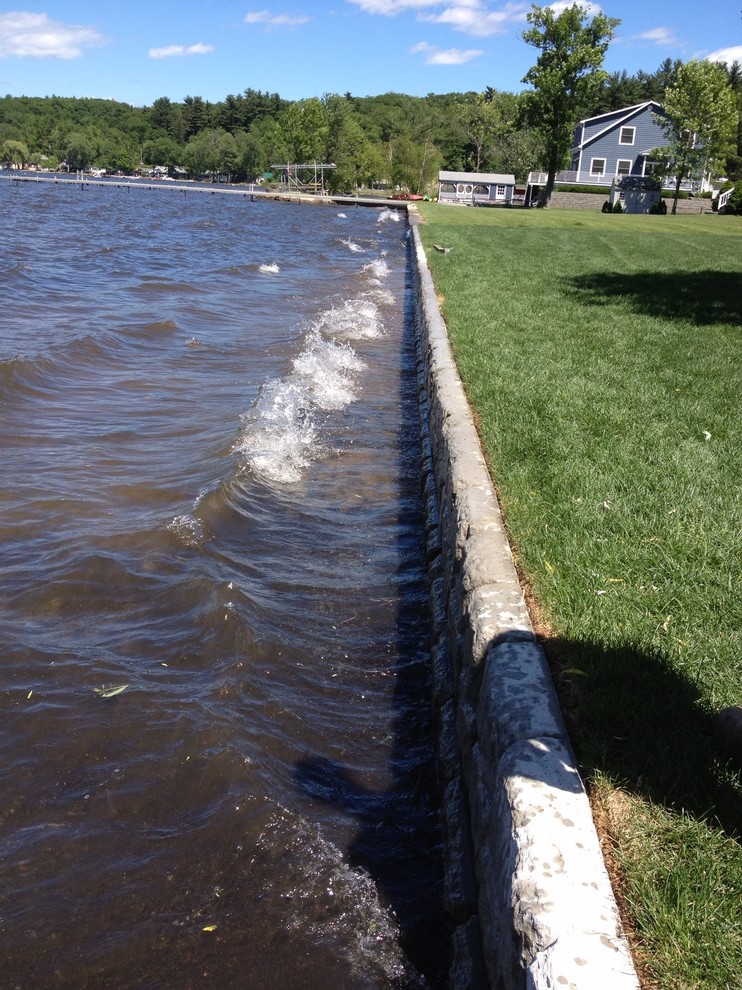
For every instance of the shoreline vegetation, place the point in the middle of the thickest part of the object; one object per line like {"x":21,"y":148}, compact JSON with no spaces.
{"x":390,"y":141}
{"x":601,"y":362}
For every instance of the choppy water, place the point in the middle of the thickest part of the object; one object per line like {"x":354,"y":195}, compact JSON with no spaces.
{"x":216,"y":751}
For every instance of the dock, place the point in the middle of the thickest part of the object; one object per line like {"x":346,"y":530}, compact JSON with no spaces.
{"x":250,"y":191}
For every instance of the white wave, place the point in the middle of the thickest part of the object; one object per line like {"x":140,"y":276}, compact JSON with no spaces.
{"x":281,"y":433}
{"x":376,"y":269}
{"x":271,"y":269}
{"x":382,"y":296}
{"x":188,"y":530}
{"x":388,"y":214}
{"x":343,"y":216}
{"x":354,"y":319}
{"x":351,"y":245}
{"x":326,"y":368}
{"x":335,"y":903}
{"x":280,"y":438}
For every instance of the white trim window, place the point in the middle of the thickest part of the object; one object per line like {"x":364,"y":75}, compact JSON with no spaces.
{"x":627,"y":135}
{"x":597,"y":167}
{"x":500,"y":192}
{"x":623,"y":166}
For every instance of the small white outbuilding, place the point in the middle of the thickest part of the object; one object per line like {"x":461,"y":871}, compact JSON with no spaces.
{"x":475,"y":188}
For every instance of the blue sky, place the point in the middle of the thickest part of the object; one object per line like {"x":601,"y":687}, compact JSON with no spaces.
{"x":138,"y":50}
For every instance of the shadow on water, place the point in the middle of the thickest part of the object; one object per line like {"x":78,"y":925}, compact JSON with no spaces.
{"x":398,"y":837}
{"x":704,"y":297}
{"x":636,"y":719}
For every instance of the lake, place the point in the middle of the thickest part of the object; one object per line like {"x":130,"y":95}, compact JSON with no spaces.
{"x":217,"y":749}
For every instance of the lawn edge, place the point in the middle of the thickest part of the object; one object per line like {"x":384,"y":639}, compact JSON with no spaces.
{"x":545,"y":903}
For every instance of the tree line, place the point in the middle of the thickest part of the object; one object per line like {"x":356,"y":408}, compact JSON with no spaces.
{"x":393,"y":138}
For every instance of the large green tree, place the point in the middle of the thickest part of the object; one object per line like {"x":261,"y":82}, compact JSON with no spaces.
{"x":356,"y":158}
{"x":566,"y":78}
{"x":700,"y":122}
{"x":734,"y":160}
{"x":211,"y":151}
{"x":15,"y":152}
{"x":485,"y":123}
{"x":80,"y":151}
{"x":304,"y":126}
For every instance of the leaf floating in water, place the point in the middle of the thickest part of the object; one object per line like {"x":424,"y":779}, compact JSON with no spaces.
{"x":209,"y":928}
{"x":110,"y":692}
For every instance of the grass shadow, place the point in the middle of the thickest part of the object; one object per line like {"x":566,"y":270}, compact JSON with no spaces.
{"x":703,"y":297}
{"x":636,"y":719}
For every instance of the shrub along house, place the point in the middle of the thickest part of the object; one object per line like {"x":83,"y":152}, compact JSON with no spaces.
{"x":476,"y":188}
{"x":611,"y":147}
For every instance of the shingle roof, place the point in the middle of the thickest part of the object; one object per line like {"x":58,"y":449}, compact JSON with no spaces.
{"x":493,"y":178}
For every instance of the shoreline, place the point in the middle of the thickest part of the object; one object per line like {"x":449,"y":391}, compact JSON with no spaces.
{"x":252,"y":192}
{"x":527,"y":889}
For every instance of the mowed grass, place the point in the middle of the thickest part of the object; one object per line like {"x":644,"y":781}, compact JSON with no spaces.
{"x":602,"y":356}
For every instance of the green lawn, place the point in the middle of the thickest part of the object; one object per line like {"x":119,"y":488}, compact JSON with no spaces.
{"x":602,"y":356}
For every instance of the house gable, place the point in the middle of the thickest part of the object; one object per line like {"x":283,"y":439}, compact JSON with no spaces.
{"x":617,"y":143}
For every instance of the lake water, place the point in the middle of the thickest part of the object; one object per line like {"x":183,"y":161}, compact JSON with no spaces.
{"x":217,"y":763}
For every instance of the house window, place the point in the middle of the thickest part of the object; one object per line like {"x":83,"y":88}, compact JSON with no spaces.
{"x":627,"y":135}
{"x":597,"y":166}
{"x":623,"y":166}
{"x":500,"y":192}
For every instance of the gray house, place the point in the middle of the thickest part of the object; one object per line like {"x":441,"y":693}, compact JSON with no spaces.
{"x":613,"y":146}
{"x":476,"y":188}
{"x":616,"y":143}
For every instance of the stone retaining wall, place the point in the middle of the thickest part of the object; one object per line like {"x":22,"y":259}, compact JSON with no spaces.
{"x":527,"y":895}
{"x":594,"y":201}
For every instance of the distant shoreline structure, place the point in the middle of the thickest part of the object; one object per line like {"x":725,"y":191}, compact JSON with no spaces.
{"x":251,"y":190}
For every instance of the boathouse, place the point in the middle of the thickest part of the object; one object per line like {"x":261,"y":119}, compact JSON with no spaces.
{"x":476,"y":188}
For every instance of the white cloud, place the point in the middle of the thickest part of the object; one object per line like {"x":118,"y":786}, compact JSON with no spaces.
{"x":31,"y":35}
{"x":175,"y":51}
{"x":727,"y":55}
{"x":449,"y":56}
{"x":659,"y":36}
{"x":390,"y":8}
{"x":591,"y":9}
{"x":275,"y":20}
{"x":473,"y":18}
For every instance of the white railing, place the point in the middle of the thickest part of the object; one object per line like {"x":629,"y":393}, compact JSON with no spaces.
{"x":576,"y":178}
{"x":724,"y":199}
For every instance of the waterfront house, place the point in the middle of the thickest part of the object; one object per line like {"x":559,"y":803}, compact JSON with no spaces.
{"x":617,"y":143}
{"x":476,"y":188}
{"x":613,"y":146}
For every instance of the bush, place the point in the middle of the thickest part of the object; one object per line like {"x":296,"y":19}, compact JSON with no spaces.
{"x":590,"y":190}
{"x":606,"y":207}
{"x":618,"y":208}
{"x":734,"y":204}
{"x":659,"y":208}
